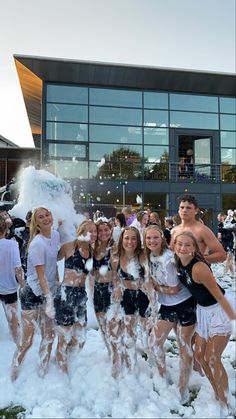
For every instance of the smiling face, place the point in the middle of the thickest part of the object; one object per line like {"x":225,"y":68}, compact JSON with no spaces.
{"x":104,"y":232}
{"x":130,"y":241}
{"x":153,"y":240}
{"x":43,"y":219}
{"x":184,"y":246}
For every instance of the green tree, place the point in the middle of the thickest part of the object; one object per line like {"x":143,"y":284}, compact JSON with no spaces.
{"x":122,"y":163}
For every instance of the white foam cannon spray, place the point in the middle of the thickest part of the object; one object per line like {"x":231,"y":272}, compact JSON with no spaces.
{"x":41,"y":188}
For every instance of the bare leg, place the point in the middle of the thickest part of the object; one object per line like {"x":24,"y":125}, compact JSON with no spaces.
{"x":214,"y":349}
{"x":184,"y":335}
{"x":129,"y":339}
{"x":162,"y":330}
{"x":199,"y":355}
{"x":48,"y":334}
{"x":64,"y":337}
{"x":114,"y":329}
{"x":29,"y":322}
{"x":196,"y":364}
{"x":13,"y":321}
{"x":101,"y":318}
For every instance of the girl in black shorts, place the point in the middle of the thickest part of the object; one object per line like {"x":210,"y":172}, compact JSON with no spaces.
{"x":130,"y":267}
{"x":70,"y":300}
{"x":102,"y":275}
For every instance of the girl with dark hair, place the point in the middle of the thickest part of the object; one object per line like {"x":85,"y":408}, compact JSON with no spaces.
{"x":214,"y":312}
{"x":131,"y":276}
{"x":120,"y":222}
{"x":102,"y":274}
{"x":176,"y":311}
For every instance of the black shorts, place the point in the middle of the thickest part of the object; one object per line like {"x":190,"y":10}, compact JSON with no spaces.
{"x":135,"y":301}
{"x":70,"y":305}
{"x":183,"y":313}
{"x":30,"y":301}
{"x":9,"y":298}
{"x":102,"y":297}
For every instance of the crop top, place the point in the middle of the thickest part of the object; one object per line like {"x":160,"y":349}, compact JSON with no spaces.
{"x":105,"y":261}
{"x":198,"y":291}
{"x":129,"y":277}
{"x":77,"y":262}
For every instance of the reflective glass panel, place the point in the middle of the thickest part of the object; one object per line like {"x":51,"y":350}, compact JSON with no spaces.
{"x":155,"y":100}
{"x":156,"y":136}
{"x":228,"y":138}
{"x":67,"y":150}
{"x":156,"y":171}
{"x":155,"y":118}
{"x":156,"y":154}
{"x":228,"y":176}
{"x":115,"y":170}
{"x":228,"y":155}
{"x":69,"y":169}
{"x":193,"y":102}
{"x":228,"y":104}
{"x":228,"y":122}
{"x":194,"y":120}
{"x":115,"y":116}
{"x":69,"y":113}
{"x":115,"y":134}
{"x":115,"y":152}
{"x":64,"y":131}
{"x":115,"y":97}
{"x":67,"y":94}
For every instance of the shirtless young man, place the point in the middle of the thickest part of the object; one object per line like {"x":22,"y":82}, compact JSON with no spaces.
{"x":209,"y":245}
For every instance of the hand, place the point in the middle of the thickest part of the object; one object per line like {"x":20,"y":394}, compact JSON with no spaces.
{"x":49,"y":309}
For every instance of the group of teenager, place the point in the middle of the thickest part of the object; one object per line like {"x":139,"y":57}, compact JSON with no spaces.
{"x":138,"y":283}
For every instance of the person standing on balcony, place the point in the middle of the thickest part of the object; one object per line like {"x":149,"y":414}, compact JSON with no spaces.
{"x":189,"y":162}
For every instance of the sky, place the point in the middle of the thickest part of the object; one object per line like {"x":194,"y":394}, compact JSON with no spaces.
{"x":190,"y":34}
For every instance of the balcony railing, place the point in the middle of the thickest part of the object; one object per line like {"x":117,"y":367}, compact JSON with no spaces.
{"x":203,"y":173}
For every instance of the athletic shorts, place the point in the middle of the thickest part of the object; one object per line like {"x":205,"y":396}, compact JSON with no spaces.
{"x":70,"y":305}
{"x":102,"y":297}
{"x":183,"y":313}
{"x":213,"y":320}
{"x":9,"y":298}
{"x":135,"y":301}
{"x":30,"y":301}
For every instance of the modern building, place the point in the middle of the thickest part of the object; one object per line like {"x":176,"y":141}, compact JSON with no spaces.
{"x":116,"y":131}
{"x":13,"y":158}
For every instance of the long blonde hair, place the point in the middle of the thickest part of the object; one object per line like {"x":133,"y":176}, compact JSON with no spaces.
{"x":34,"y":228}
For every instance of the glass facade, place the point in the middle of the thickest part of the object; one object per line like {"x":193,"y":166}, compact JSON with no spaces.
{"x":101,"y":134}
{"x":129,"y":129}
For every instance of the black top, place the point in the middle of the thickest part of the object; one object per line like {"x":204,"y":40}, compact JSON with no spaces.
{"x":198,"y":291}
{"x":77,"y":262}
{"x":129,"y":277}
{"x":104,"y":261}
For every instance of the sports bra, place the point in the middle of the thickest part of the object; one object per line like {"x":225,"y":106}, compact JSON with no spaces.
{"x":129,"y":277}
{"x":105,"y":261}
{"x":77,"y":262}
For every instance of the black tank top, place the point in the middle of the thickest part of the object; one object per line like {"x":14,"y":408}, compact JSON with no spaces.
{"x":77,"y":262}
{"x":198,"y":291}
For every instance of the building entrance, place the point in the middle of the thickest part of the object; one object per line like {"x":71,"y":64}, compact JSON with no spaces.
{"x":195,"y":156}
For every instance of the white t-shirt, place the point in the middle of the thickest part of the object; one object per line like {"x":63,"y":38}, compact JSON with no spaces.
{"x":163,"y":271}
{"x":116,"y":232}
{"x":43,"y":251}
{"x":9,"y":260}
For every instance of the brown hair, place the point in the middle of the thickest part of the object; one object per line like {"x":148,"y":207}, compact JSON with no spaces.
{"x":110,"y":242}
{"x":3,"y":225}
{"x":164,"y":245}
{"x":138,"y":250}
